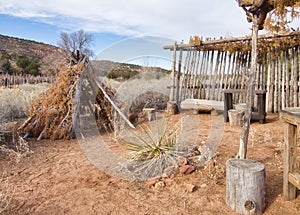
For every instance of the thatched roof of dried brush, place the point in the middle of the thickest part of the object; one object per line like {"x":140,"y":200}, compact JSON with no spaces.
{"x":52,"y":113}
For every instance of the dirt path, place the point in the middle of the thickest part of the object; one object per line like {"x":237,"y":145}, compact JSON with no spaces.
{"x":58,"y":179}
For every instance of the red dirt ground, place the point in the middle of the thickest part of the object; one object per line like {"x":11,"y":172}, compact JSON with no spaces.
{"x":58,"y":179}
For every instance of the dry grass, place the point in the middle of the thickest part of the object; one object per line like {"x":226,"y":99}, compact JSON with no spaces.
{"x":15,"y":102}
{"x":16,"y":150}
{"x":6,"y":193}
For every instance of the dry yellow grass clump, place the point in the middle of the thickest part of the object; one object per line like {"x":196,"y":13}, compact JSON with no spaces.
{"x":15,"y":102}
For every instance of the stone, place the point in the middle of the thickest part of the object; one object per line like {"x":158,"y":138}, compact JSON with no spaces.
{"x":160,"y":185}
{"x":191,"y":187}
{"x":170,"y":172}
{"x":152,"y":181}
{"x":182,"y":161}
{"x":186,"y":169}
{"x":203,"y":185}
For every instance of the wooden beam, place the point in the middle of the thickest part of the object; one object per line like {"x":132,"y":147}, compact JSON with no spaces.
{"x":231,"y":40}
{"x":294,"y":178}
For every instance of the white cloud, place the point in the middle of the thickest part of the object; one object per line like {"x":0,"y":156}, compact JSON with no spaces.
{"x":178,"y":19}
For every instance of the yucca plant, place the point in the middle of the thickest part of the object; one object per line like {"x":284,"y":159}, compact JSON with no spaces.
{"x":162,"y":144}
{"x":153,"y":151}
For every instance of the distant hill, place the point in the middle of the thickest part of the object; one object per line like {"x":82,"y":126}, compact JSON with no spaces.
{"x":123,"y":71}
{"x":49,"y":55}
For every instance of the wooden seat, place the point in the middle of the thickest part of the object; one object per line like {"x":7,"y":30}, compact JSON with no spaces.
{"x":260,"y":115}
{"x":201,"y":105}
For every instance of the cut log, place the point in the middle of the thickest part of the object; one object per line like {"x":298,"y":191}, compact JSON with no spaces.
{"x":245,"y":191}
{"x":236,"y":117}
{"x":172,"y":108}
{"x":150,"y":113}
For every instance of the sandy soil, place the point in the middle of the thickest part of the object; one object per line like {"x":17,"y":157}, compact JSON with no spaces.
{"x":58,"y":179}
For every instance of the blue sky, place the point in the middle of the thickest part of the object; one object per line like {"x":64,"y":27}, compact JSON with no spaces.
{"x":114,"y":21}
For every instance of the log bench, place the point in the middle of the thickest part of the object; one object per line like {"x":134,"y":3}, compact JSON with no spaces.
{"x":201,"y":105}
{"x":260,"y":115}
{"x":291,"y":179}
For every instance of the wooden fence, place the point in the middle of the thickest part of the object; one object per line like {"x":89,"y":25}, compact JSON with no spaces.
{"x":10,"y":81}
{"x":204,"y":70}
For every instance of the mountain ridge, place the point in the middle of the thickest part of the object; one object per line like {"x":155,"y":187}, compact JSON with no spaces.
{"x":49,"y":55}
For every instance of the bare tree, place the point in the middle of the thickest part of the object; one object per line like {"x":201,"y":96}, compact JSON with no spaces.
{"x":273,"y":15}
{"x":76,"y":44}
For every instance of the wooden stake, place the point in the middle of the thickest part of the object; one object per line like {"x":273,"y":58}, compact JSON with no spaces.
{"x":250,"y":91}
{"x":178,"y":79}
{"x":209,"y":90}
{"x":275,"y":86}
{"x":295,"y":76}
{"x":172,"y":92}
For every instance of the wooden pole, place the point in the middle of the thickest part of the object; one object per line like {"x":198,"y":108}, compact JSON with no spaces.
{"x":172,"y":93}
{"x":202,"y":75}
{"x":197,"y":76}
{"x":295,"y":76}
{"x":283,"y":98}
{"x":222,"y":72}
{"x":250,"y":91}
{"x":215,"y":77}
{"x":178,"y":79}
{"x":226,"y":85}
{"x":276,"y":85}
{"x":205,"y":74}
{"x":184,"y":82}
{"x":272,"y":74}
{"x":280,"y":78}
{"x":233,"y":64}
{"x":287,"y":78}
{"x":209,"y":94}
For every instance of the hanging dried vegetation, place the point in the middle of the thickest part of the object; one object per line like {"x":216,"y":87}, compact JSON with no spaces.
{"x":277,"y":42}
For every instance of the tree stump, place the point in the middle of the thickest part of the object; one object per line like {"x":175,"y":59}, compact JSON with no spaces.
{"x":245,"y":181}
{"x":236,"y":117}
{"x":172,"y":108}
{"x":150,"y":113}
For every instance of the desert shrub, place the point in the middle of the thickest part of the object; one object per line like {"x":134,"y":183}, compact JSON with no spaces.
{"x":114,"y":74}
{"x":29,"y":65}
{"x":149,"y":99}
{"x":152,"y":75}
{"x":153,"y":148}
{"x":6,"y":67}
{"x":6,"y":193}
{"x":15,"y":103}
{"x":15,"y":147}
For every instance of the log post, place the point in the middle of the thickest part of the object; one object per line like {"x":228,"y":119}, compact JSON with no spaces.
{"x":250,"y":91}
{"x":236,"y":117}
{"x":178,"y":86}
{"x":172,"y":108}
{"x":245,"y":191}
{"x":150,"y":113}
{"x":172,"y":92}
